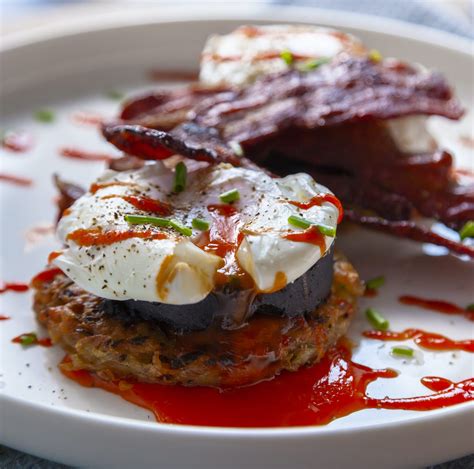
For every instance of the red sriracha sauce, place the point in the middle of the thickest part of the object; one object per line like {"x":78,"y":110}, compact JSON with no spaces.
{"x":315,"y":395}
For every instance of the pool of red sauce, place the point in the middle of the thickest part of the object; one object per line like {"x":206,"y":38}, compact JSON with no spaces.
{"x":436,"y":305}
{"x":14,"y":286}
{"x":18,"y":180}
{"x":4,"y":318}
{"x":77,"y":154}
{"x":428,"y":340}
{"x":316,"y":395}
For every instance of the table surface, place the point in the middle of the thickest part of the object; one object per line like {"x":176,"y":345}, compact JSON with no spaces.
{"x":455,"y":16}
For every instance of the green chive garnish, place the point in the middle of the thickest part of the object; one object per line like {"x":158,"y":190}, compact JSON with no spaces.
{"x":403,"y":351}
{"x":157,"y":221}
{"x":184,"y":230}
{"x":299,"y":222}
{"x":376,"y":319}
{"x":142,"y":219}
{"x":114,"y":94}
{"x":375,"y":283}
{"x":230,"y":196}
{"x":313,"y":64}
{"x":44,"y":115}
{"x":236,"y":148}
{"x":467,"y":231}
{"x":180,"y":175}
{"x":28,"y":339}
{"x":375,"y":55}
{"x":470,"y":307}
{"x":200,"y":224}
{"x":326,"y":230}
{"x":287,"y":56}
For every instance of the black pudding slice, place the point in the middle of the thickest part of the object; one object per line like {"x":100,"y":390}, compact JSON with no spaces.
{"x":233,"y":306}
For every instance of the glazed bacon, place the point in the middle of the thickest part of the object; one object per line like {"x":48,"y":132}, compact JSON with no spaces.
{"x":349,"y":89}
{"x":328,"y":122}
{"x":164,"y":110}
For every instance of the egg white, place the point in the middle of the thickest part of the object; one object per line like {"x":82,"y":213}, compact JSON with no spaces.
{"x":238,"y":58}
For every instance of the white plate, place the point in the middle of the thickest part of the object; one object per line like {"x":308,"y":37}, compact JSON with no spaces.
{"x":68,"y":69}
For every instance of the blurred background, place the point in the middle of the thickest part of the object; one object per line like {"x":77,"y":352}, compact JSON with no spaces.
{"x":455,"y":16}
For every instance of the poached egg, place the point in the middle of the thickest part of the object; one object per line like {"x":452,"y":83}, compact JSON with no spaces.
{"x":107,"y":256}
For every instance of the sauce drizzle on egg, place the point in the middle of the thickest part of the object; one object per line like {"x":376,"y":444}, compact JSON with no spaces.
{"x":97,"y":237}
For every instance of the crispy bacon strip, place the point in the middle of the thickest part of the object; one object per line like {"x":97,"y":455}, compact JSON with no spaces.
{"x":349,"y":89}
{"x":346,"y":90}
{"x":200,"y":143}
{"x":164,"y":110}
{"x":408,"y":229}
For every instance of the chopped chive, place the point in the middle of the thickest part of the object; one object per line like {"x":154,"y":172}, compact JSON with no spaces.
{"x":313,"y":64}
{"x":184,"y":230}
{"x":180,"y":175}
{"x":376,"y":319}
{"x":403,"y":351}
{"x":44,"y":115}
{"x":230,"y":196}
{"x":157,"y":221}
{"x":28,"y":339}
{"x":141,"y":219}
{"x":236,"y":148}
{"x":287,"y":56}
{"x":299,"y":222}
{"x":467,"y":231}
{"x":200,"y":224}
{"x":470,"y":307}
{"x":327,"y":230}
{"x":375,"y":55}
{"x":375,"y":283}
{"x":114,"y":94}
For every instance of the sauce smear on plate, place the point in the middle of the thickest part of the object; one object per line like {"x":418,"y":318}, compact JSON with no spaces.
{"x":436,"y":305}
{"x":18,"y":180}
{"x":14,"y":286}
{"x":18,"y":142}
{"x":77,"y":154}
{"x":428,"y":340}
{"x":316,"y":395}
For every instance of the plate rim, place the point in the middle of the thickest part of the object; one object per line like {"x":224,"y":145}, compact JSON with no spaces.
{"x":155,"y":15}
